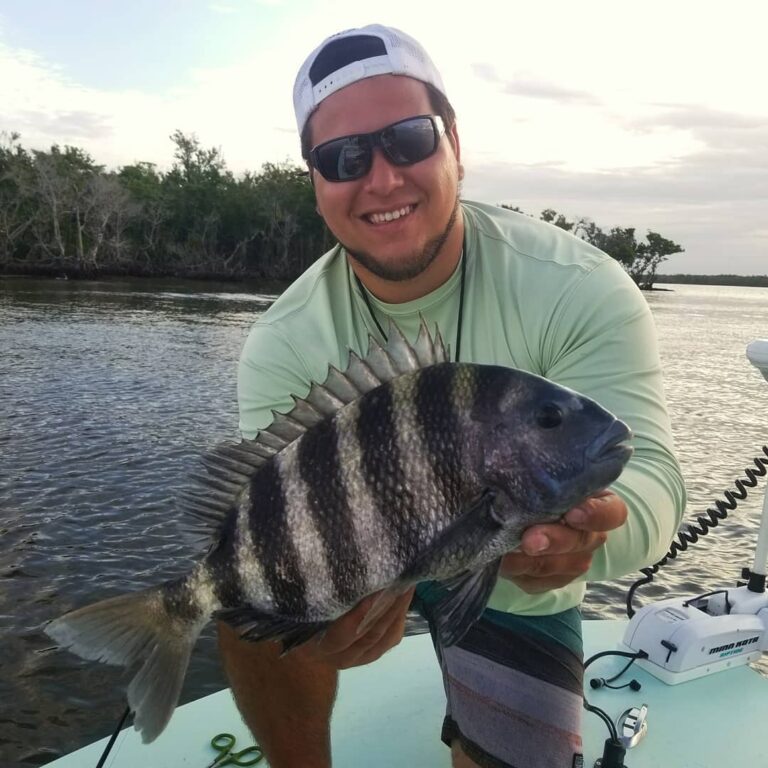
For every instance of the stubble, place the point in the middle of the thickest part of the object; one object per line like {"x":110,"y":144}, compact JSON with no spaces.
{"x":415,"y":264}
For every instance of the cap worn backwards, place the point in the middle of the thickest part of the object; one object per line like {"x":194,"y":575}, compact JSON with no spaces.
{"x":356,"y":54}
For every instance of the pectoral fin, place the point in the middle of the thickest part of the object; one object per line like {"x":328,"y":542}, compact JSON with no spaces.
{"x":463,"y":603}
{"x":472,"y":532}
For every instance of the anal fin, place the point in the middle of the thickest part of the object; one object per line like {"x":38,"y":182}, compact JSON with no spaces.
{"x":254,"y":626}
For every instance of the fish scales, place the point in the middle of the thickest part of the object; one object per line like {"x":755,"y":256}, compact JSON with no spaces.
{"x":429,"y":475}
{"x":305,"y":528}
{"x":248,"y":567}
{"x":273,"y":542}
{"x":340,"y":562}
{"x":217,"y":570}
{"x":431,"y":435}
{"x":368,"y":524}
{"x":421,"y":474}
{"x":443,"y":392}
{"x":383,"y":469}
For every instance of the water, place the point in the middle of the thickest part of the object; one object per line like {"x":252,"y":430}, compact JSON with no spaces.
{"x":110,"y":391}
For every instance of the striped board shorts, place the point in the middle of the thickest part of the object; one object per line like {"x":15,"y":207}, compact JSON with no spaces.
{"x":514,"y":688}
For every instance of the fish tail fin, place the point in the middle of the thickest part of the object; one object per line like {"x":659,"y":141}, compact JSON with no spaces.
{"x":151,"y":629}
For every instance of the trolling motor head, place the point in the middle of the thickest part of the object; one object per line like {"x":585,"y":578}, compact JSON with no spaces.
{"x":757,"y":354}
{"x":685,"y":639}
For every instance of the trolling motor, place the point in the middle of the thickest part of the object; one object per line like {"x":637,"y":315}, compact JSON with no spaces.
{"x":689,"y":638}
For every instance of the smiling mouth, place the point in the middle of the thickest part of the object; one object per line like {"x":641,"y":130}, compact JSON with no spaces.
{"x":387,"y":216}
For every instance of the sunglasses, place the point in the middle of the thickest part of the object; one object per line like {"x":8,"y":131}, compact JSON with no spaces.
{"x":403,"y":143}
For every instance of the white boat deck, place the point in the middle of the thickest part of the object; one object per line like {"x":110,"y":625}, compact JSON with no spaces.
{"x":389,"y":714}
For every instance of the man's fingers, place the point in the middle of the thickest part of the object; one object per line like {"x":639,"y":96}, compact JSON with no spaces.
{"x":342,"y":641}
{"x":583,"y":528}
{"x":342,"y":633}
{"x":605,"y":511}
{"x":376,"y":642}
{"x":541,"y":540}
{"x":393,"y":616}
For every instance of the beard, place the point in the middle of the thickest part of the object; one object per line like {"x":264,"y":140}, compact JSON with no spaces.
{"x":415,"y":263}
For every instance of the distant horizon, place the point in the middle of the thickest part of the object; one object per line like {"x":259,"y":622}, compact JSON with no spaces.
{"x":667,"y":275}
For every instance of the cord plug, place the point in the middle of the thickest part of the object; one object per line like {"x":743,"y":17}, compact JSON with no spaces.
{"x":613,"y":755}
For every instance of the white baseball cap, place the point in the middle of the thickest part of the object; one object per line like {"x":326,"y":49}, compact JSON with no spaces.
{"x":352,"y":55}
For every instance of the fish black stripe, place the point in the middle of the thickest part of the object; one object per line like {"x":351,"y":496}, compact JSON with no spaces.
{"x":319,"y":467}
{"x":440,"y":427}
{"x":273,"y":545}
{"x":382,"y":467}
{"x":221,"y":562}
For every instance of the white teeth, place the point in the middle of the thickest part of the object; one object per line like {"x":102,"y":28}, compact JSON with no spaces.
{"x":380,"y":218}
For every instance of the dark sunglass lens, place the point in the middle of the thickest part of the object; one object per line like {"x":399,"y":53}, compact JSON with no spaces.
{"x":409,"y":141}
{"x":344,"y":159}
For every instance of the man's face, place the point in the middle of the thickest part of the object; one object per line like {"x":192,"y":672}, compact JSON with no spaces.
{"x":424,"y":194}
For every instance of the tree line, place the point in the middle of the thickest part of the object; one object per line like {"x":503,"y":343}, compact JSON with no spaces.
{"x":61,"y":213}
{"x":641,"y":259}
{"x":754,"y":281}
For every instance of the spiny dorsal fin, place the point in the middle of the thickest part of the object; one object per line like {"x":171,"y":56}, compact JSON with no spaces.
{"x":380,"y":365}
{"x":400,"y":352}
{"x":230,"y":466}
{"x":286,"y":427}
{"x":360,"y":374}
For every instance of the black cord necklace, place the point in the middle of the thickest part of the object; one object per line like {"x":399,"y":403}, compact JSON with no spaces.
{"x":460,"y":317}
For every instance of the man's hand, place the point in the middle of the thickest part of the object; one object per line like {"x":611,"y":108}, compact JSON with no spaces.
{"x":551,"y":556}
{"x":342,"y":647}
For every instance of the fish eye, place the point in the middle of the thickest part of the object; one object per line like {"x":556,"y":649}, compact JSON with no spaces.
{"x":549,"y":416}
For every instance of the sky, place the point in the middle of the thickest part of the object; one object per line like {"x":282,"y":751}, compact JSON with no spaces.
{"x":650,"y":115}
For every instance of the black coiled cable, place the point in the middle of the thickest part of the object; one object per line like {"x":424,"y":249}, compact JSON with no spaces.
{"x":691,"y":533}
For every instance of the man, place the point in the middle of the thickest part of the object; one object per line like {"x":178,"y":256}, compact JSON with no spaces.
{"x":384,"y":157}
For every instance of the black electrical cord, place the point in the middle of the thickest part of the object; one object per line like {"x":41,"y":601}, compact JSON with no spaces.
{"x":614,"y":751}
{"x":690,"y":535}
{"x":728,"y":605}
{"x":112,"y":738}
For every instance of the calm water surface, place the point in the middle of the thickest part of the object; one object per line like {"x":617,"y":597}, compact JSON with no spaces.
{"x":109,"y":393}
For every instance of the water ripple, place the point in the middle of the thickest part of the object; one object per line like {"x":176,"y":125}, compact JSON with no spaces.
{"x":117,"y":388}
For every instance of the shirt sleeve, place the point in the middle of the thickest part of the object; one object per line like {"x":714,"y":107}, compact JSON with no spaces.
{"x":270,"y":371}
{"x":603,"y":344}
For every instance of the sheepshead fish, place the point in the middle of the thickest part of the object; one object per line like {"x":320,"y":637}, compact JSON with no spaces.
{"x":403,"y":468}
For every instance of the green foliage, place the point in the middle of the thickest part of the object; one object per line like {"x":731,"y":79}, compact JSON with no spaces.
{"x":62,"y":213}
{"x":649,"y":256}
{"x":639,"y":259}
{"x":553,"y":217}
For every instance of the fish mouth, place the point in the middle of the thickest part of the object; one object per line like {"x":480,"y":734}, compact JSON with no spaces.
{"x":611,"y":445}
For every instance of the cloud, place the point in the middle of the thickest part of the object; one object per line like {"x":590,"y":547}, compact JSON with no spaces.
{"x":45,"y":106}
{"x":720,"y":225}
{"x":532,"y":87}
{"x":716,"y":129}
{"x":118,"y":127}
{"x":78,"y":124}
{"x":224,"y":7}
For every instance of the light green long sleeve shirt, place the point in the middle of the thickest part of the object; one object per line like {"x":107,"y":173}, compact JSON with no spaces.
{"x":536,"y":298}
